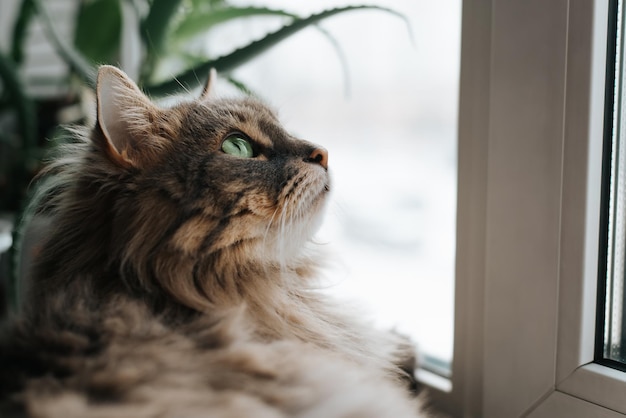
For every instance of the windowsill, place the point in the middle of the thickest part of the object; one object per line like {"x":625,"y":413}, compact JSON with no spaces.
{"x":597,"y":384}
{"x":434,"y":380}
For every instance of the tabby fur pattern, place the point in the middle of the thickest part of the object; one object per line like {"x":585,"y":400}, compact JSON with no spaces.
{"x":179,"y":281}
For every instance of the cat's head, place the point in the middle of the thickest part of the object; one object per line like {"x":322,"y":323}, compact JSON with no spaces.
{"x":205,"y":180}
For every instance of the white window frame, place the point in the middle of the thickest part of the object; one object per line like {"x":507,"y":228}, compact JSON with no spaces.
{"x":530,"y":156}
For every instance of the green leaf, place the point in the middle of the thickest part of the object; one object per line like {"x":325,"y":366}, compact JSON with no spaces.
{"x":153,"y":31}
{"x":190,"y":79}
{"x":24,"y":17}
{"x":340,"y":55}
{"x":201,"y":5}
{"x":156,"y":24}
{"x":98,"y":30}
{"x":209,"y":3}
{"x":198,"y":22}
{"x":241,"y":86}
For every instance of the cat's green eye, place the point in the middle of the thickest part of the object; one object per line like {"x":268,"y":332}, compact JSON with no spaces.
{"x":238,"y":146}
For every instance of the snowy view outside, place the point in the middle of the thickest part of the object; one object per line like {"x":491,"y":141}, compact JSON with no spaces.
{"x":390,"y":226}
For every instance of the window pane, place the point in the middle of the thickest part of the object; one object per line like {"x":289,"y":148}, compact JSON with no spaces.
{"x":392,"y":151}
{"x":612,"y":321}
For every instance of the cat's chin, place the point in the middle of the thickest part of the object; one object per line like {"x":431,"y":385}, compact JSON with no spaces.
{"x":288,"y":240}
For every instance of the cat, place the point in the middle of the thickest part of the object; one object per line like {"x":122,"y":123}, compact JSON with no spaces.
{"x":178,"y":276}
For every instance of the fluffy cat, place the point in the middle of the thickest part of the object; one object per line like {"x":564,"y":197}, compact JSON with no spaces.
{"x":176,"y":279}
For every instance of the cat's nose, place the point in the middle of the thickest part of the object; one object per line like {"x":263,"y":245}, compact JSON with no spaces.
{"x":319,"y":156}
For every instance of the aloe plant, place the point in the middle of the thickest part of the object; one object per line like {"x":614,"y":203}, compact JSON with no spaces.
{"x":165,"y":29}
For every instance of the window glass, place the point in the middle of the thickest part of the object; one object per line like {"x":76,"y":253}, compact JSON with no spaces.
{"x":611,"y":347}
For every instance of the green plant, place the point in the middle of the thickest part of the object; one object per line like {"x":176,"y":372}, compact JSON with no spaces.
{"x":166,"y":29}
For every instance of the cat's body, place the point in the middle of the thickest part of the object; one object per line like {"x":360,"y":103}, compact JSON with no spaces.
{"x":176,"y":281}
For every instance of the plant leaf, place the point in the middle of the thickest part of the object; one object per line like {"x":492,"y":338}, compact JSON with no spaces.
{"x":341,"y":56}
{"x":189,"y":79}
{"x":24,"y":17}
{"x":201,"y":21}
{"x":153,"y":32}
{"x":98,"y":30}
{"x":241,"y":86}
{"x":156,"y":24}
{"x":209,"y":3}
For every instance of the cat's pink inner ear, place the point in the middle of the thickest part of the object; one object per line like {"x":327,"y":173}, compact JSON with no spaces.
{"x":121,"y":106}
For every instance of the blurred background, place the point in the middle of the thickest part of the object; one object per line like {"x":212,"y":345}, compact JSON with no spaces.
{"x":378,"y":90}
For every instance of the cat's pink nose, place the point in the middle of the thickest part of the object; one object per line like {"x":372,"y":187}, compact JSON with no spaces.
{"x":320,"y":156}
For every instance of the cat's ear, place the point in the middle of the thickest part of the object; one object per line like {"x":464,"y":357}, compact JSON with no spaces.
{"x":123,"y":119}
{"x":210,"y":82}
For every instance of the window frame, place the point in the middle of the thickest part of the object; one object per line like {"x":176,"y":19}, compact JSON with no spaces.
{"x":582,"y":264}
{"x":531,"y":118}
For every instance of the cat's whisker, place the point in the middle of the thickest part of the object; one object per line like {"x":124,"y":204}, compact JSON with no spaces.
{"x":269,"y":225}
{"x":282,"y":234}
{"x":182,"y":85}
